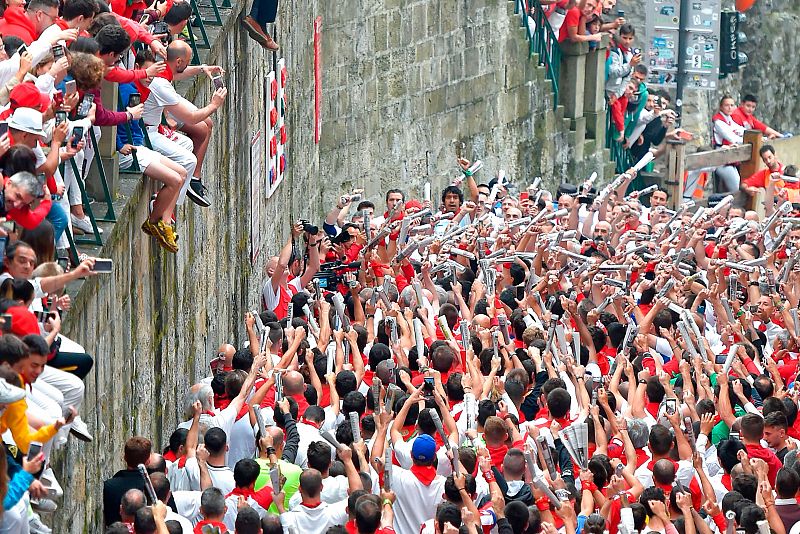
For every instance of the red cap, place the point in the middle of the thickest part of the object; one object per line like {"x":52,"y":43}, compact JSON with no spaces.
{"x":413,"y":204}
{"x":27,"y":95}
{"x":23,"y":321}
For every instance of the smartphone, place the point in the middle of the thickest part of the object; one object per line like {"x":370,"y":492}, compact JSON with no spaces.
{"x":70,"y":87}
{"x":720,"y":359}
{"x":34,"y":450}
{"x":684,"y":135}
{"x":428,"y":383}
{"x":42,"y":179}
{"x":22,"y":49}
{"x":58,"y":99}
{"x":85,"y":105}
{"x":637,"y":51}
{"x":134,"y":100}
{"x":58,"y":51}
{"x":218,"y":81}
{"x":5,"y":323}
{"x":619,"y":469}
{"x":9,"y":226}
{"x":77,"y":135}
{"x":103,"y":265}
{"x":620,"y":13}
{"x":671,"y":406}
{"x":63,"y":263}
{"x":3,"y":128}
{"x":61,"y":116}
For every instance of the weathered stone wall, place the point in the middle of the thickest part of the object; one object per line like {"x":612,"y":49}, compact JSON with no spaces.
{"x":404,"y":78}
{"x":401,"y":80}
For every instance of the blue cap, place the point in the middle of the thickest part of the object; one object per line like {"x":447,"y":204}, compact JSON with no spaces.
{"x":423,"y":449}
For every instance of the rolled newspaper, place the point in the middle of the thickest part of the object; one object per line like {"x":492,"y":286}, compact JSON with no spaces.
{"x":338,"y":303}
{"x":278,"y":386}
{"x":328,"y":436}
{"x":502,"y":322}
{"x":275,"y":479}
{"x":542,"y":486}
{"x":262,"y":430}
{"x":437,"y":421}
{"x":722,"y":204}
{"x":355,"y":426}
{"x":387,"y":469}
{"x":729,"y":358}
{"x":376,"y":393}
{"x":312,"y":322}
{"x":541,"y":441}
{"x":442,"y":322}
{"x":465,"y":336}
{"x":728,"y":311}
{"x":418,"y":338}
{"x":642,"y":163}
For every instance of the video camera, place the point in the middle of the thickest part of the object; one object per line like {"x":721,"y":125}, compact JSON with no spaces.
{"x":331,"y":274}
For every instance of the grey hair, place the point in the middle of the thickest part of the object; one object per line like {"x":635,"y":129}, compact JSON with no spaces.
{"x":639,"y":433}
{"x":27,"y":182}
{"x":212,"y":502}
{"x":408,"y":297}
{"x":203,"y":394}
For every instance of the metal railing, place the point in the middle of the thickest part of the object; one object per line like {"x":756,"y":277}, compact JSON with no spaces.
{"x":542,"y":40}
{"x":620,"y":155}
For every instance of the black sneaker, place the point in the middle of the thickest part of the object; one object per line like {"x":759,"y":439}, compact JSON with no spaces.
{"x":197,"y":193}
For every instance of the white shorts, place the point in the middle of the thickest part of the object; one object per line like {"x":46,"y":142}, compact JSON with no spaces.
{"x":144,"y":156}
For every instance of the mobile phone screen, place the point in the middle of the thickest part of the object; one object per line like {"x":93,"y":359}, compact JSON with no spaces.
{"x":134,"y":100}
{"x":3,"y":128}
{"x":77,"y":134}
{"x":103,"y":266}
{"x":70,"y":87}
{"x":34,"y":450}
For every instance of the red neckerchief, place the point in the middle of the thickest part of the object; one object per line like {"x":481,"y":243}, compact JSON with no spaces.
{"x":497,"y":454}
{"x":641,"y":457}
{"x":311,"y":505}
{"x":198,"y":528}
{"x":167,"y":74}
{"x":652,"y":408}
{"x":726,"y":481}
{"x":351,"y":527}
{"x":424,"y":473}
{"x":263,"y":496}
{"x":310,"y":423}
{"x":170,"y":456}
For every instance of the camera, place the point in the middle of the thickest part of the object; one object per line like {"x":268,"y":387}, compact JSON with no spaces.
{"x":330,"y":274}
{"x":161,"y":29}
{"x":308,"y":227}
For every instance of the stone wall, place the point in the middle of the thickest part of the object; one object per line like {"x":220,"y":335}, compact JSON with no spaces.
{"x":401,"y":81}
{"x":405,"y":78}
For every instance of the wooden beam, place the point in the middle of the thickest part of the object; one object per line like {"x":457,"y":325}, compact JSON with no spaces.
{"x":717,"y":158}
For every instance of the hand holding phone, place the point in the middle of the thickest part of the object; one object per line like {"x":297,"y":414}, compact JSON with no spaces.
{"x":104,"y":266}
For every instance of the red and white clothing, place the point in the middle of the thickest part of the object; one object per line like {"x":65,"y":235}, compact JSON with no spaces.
{"x":259,"y":501}
{"x":418,"y":494}
{"x":748,"y":121}
{"x":277,"y":300}
{"x":726,"y":131}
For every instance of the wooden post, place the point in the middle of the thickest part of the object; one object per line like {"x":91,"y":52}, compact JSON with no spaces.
{"x":676,"y":155}
{"x":756,"y":140}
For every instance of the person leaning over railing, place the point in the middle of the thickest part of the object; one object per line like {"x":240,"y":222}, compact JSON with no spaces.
{"x":574,"y":27}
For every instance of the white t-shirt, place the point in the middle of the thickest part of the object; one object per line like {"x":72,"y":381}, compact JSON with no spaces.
{"x":241,"y":441}
{"x":221,"y":477}
{"x":188,"y":505}
{"x":416,"y":503}
{"x":162,"y":94}
{"x":334,"y":489}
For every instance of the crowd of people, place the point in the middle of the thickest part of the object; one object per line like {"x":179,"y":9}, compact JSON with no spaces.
{"x":498,"y":358}
{"x":54,"y":57}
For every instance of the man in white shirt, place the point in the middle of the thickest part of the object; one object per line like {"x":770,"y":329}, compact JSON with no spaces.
{"x":334,"y":489}
{"x":312,"y":516}
{"x":164,"y":98}
{"x":419,"y":490}
{"x":245,"y":474}
{"x":162,"y":489}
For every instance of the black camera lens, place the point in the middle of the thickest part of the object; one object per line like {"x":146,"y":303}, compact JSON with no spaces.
{"x":310,"y":228}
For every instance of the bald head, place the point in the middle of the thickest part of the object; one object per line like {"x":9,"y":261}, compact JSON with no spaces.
{"x":293,"y":383}
{"x":664,"y":472}
{"x":178,"y":50}
{"x":228,"y":351}
{"x":277,"y":437}
{"x":132,"y":500}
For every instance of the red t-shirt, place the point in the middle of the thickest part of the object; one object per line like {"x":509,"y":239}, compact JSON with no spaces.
{"x":573,"y":19}
{"x":741,"y":118}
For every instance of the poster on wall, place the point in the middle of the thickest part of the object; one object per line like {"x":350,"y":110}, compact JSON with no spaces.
{"x":256,"y":195}
{"x":275,"y":95}
{"x":270,"y":122}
